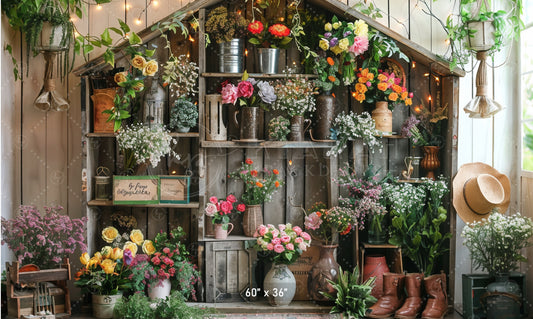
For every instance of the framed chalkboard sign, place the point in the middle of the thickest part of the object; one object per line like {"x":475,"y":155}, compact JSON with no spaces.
{"x":135,"y":190}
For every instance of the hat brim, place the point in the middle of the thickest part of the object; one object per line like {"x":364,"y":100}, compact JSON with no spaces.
{"x":472,"y":170}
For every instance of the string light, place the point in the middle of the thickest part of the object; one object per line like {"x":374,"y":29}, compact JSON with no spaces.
{"x":417,"y":109}
{"x":413,"y":65}
{"x":98,"y":7}
{"x":426,"y":74}
{"x":127,"y":6}
{"x":191,"y":38}
{"x":156,"y":3}
{"x":246,"y":52}
{"x":138,"y":21}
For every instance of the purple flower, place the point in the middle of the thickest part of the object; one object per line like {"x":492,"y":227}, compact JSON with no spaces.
{"x":408,"y":125}
{"x":127,"y":257}
{"x":333,"y":42}
{"x":327,"y":35}
{"x":347,"y":33}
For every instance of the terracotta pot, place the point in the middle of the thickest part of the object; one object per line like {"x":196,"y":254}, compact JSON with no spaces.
{"x":430,"y":162}
{"x":102,"y":100}
{"x":383,"y":117}
{"x":325,"y":269}
{"x":252,"y":218}
{"x":298,"y":128}
{"x":324,"y":113}
{"x":375,"y":266}
{"x":220,"y":232}
{"x":249,"y":123}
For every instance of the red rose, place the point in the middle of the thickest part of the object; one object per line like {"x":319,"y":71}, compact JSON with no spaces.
{"x":279,"y":30}
{"x":253,"y":173}
{"x":241,"y":207}
{"x":256,"y":27}
{"x":275,"y":171}
{"x":231,"y":198}
{"x":249,"y":161}
{"x":245,"y":89}
{"x":226,"y":207}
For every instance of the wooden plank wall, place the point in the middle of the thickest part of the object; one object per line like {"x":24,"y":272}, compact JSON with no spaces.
{"x":526,"y":209}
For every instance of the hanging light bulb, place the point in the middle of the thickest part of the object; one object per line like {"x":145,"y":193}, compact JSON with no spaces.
{"x":98,"y":7}
{"x":138,"y":21}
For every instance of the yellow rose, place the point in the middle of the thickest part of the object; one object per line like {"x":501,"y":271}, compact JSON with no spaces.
{"x":148,"y":247}
{"x":120,"y":77}
{"x":138,"y":86}
{"x":343,"y":44}
{"x":106,"y":251}
{"x":92,"y":262}
{"x":84,"y":258}
{"x":108,"y":266}
{"x":98,"y":255}
{"x":109,"y":234}
{"x":138,"y":62}
{"x":131,"y":246}
{"x":323,"y":44}
{"x":360,"y":28}
{"x":150,"y":68}
{"x":117,"y":253}
{"x":336,"y":50}
{"x":327,"y":27}
{"x":336,"y":25}
{"x":137,"y":236}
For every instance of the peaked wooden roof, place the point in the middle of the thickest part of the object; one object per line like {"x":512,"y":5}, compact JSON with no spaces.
{"x":410,"y":48}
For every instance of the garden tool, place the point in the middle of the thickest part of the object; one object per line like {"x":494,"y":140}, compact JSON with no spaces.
{"x":48,"y":98}
{"x":392,"y":298}
{"x":437,"y":305}
{"x":413,"y":304}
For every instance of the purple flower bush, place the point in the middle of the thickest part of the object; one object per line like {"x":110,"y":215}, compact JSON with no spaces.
{"x":43,"y":239}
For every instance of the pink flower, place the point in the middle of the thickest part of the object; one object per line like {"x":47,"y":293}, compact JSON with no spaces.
{"x":302,"y":246}
{"x":276,"y":241}
{"x":166,"y":250}
{"x":241,"y":207}
{"x":231,"y":198}
{"x":155,"y":260}
{"x":278,"y":248}
{"x":359,"y":46}
{"x":313,"y":221}
{"x":305,"y":236}
{"x":262,"y":230}
{"x":275,"y":233}
{"x":369,"y":84}
{"x":297,"y":230}
{"x":285,"y":239}
{"x":411,"y":94}
{"x":289,"y":246}
{"x":229,"y":94}
{"x":226,"y":207}
{"x":172,"y":271}
{"x":213,"y":200}
{"x":244,"y":89}
{"x":270,"y":246}
{"x":298,"y":240}
{"x":281,"y":226}
{"x":211,"y":209}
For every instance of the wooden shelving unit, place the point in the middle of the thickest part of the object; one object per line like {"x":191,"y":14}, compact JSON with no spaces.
{"x":267,"y":144}
{"x":108,"y":203}
{"x":254,"y":75}
{"x":100,"y":135}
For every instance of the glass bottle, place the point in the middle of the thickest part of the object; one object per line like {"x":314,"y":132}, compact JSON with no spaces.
{"x":154,"y":104}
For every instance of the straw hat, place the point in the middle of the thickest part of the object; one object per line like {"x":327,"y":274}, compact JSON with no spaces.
{"x":477,"y":189}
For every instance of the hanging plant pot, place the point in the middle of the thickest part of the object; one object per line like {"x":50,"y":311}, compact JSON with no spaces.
{"x":482,"y":38}
{"x":53,"y":37}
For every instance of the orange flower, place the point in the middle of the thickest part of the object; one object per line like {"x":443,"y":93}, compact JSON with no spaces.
{"x":259,"y":184}
{"x":253,"y":173}
{"x":408,"y":101}
{"x":275,"y":171}
{"x":330,"y":61}
{"x":279,"y":30}
{"x":333,"y":94}
{"x":393,"y":96}
{"x":382,"y":86}
{"x":396,"y":88}
{"x":370,"y":76}
{"x":360,"y":97}
{"x":404,"y":95}
{"x":362,"y":80}
{"x":331,"y":78}
{"x":319,"y":214}
{"x":361,"y":88}
{"x":276,"y":184}
{"x":382,"y":77}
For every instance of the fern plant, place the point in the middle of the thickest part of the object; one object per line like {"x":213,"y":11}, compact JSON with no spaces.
{"x":353,"y":296}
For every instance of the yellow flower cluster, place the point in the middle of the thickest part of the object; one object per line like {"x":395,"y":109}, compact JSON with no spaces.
{"x":148,"y":68}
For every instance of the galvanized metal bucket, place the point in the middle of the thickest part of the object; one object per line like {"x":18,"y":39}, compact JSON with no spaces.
{"x":230,"y":56}
{"x":268,"y":60}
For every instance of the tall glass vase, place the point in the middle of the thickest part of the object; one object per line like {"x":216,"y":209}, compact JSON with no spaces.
{"x":377,"y":230}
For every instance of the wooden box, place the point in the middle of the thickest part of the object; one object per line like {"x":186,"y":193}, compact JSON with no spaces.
{"x":135,"y":190}
{"x":174,"y":189}
{"x":300,"y":270}
{"x":229,"y":271}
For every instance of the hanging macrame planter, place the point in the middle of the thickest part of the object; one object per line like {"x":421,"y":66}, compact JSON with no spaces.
{"x":48,"y":98}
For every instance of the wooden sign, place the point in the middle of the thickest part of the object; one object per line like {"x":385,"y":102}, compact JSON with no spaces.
{"x":132,"y":190}
{"x":174,"y":189}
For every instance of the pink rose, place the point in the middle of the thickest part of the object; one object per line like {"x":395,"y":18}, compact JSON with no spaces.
{"x":155,"y":260}
{"x":231,"y":198}
{"x":166,"y":250}
{"x":172,"y":271}
{"x":276,"y":241}
{"x":241,"y":207}
{"x":226,"y":207}
{"x":211,"y":209}
{"x":270,"y":246}
{"x":297,"y":230}
{"x":275,"y":233}
{"x":229,"y":94}
{"x":299,"y":240}
{"x":285,"y":239}
{"x":302,"y":246}
{"x":289,"y":246}
{"x":244,"y":89}
{"x":279,"y":248}
{"x":313,"y":221}
{"x":282,"y":226}
{"x":213,"y":200}
{"x":359,"y":46}
{"x":305,"y":236}
{"x":262,"y":230}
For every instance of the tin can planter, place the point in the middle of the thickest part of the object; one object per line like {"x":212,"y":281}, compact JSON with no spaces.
{"x":326,"y":268}
{"x":324,"y":113}
{"x":383,"y":117}
{"x":298,"y":128}
{"x":252,"y":218}
{"x":159,"y":289}
{"x":249,"y":123}
{"x":103,"y":305}
{"x":280,"y":284}
{"x":230,"y":56}
{"x":268,"y":60}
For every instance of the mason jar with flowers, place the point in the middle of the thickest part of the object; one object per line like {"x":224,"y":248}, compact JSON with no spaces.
{"x":259,"y":185}
{"x":269,"y":39}
{"x":219,"y":210}
{"x":248,"y":96}
{"x":325,"y":225}
{"x":385,"y":90}
{"x":282,"y":246}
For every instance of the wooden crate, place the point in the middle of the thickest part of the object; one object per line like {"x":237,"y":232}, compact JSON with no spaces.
{"x":301,"y":269}
{"x":229,"y":269}
{"x":392,"y":253}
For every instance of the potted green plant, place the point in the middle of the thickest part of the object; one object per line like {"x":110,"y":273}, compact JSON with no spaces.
{"x":183,"y":115}
{"x":278,"y":128}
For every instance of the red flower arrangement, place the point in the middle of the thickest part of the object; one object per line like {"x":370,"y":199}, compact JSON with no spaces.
{"x":375,"y":85}
{"x":275,"y":36}
{"x":219,"y":209}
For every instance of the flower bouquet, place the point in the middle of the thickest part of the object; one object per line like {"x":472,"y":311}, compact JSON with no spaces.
{"x":278,"y":129}
{"x":496,"y":243}
{"x":352,"y":126}
{"x":427,"y":129}
{"x":295,"y":95}
{"x":248,"y":93}
{"x":327,"y":70}
{"x":258,"y":186}
{"x":376,"y":85}
{"x":324,"y":224}
{"x":43,"y":239}
{"x":220,"y":209}
{"x":274,"y":36}
{"x":282,"y":245}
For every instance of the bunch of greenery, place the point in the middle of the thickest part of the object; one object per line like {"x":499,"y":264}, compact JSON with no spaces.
{"x":326,"y":69}
{"x":278,"y":128}
{"x":224,"y":26}
{"x":137,"y":306}
{"x":183,"y":114}
{"x":175,"y":307}
{"x":353,"y":296}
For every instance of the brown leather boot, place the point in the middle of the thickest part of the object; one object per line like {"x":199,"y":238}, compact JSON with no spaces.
{"x":437,"y":305}
{"x":413,"y":304}
{"x":392,"y":297}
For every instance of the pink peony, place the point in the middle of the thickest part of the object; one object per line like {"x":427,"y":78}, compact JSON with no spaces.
{"x":241,"y":207}
{"x":302,"y":246}
{"x":282,"y":227}
{"x":289,"y":246}
{"x":244,"y":89}
{"x":297,"y":230}
{"x":276,"y":241}
{"x":305,"y":236}
{"x":166,"y":250}
{"x":211,"y":209}
{"x":226,"y":207}
{"x":262,"y":230}
{"x":298,"y":240}
{"x":278,"y":248}
{"x":313,"y":221}
{"x":275,"y":233}
{"x":285,"y":239}
{"x":270,"y":246}
{"x":213,"y":200}
{"x":231,"y":198}
{"x":229,"y":94}
{"x":359,"y":46}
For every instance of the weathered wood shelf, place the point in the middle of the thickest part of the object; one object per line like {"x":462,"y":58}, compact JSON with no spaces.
{"x":95,"y":202}
{"x":393,"y":136}
{"x":230,"y":238}
{"x":190,"y":134}
{"x":267,"y":144}
{"x":255,"y":75}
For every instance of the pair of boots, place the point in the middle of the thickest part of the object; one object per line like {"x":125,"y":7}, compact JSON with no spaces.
{"x":392,"y":302}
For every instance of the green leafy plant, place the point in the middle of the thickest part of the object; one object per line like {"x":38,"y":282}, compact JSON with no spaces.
{"x":278,"y":128}
{"x":175,"y":307}
{"x":137,"y":306}
{"x":183,"y":114}
{"x":326,"y":69}
{"x":353,"y":296}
